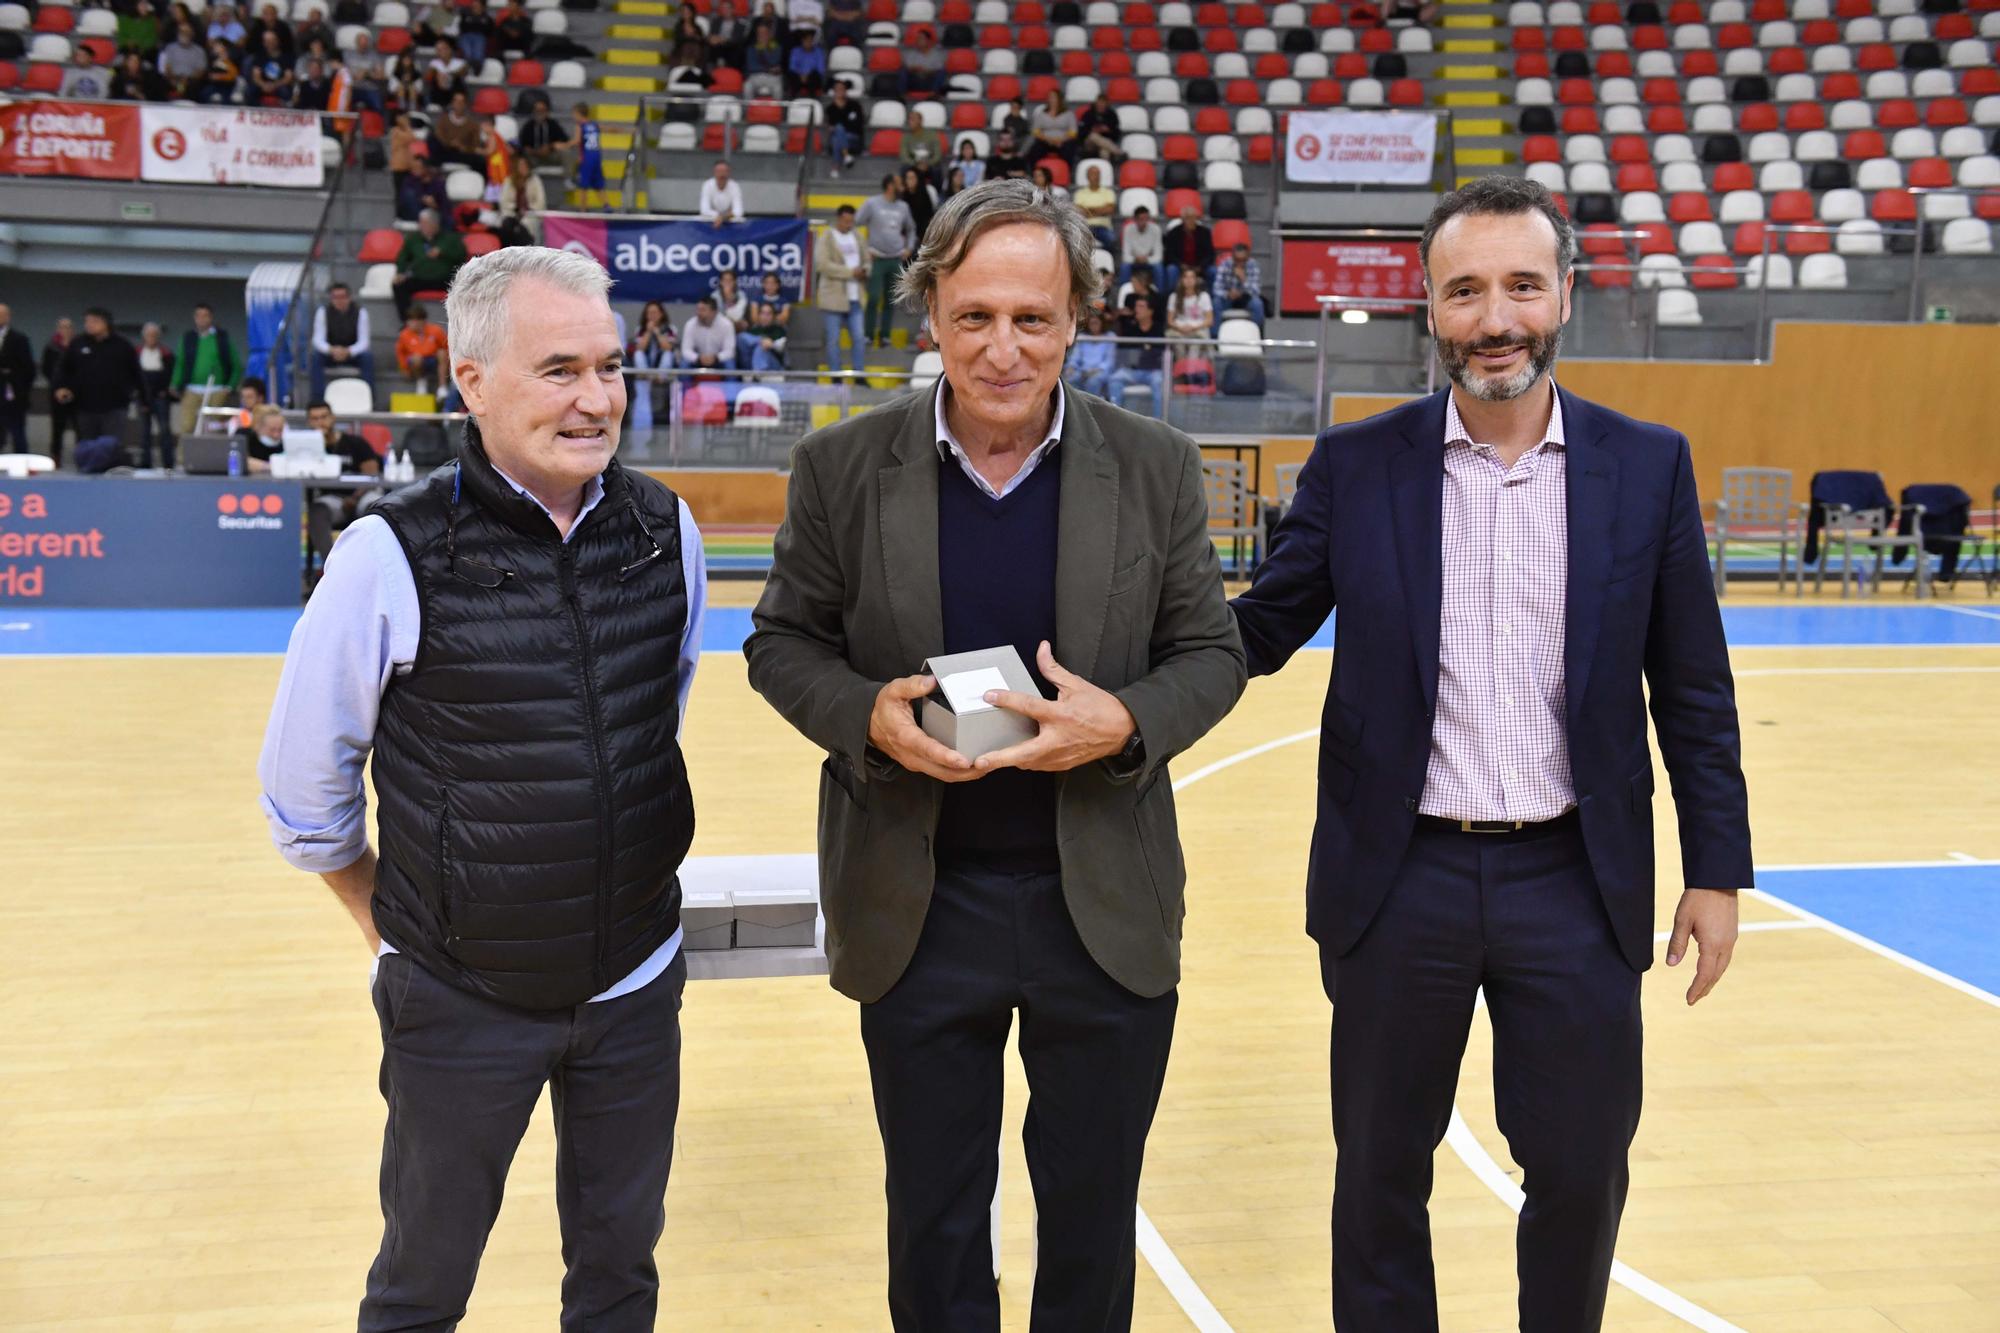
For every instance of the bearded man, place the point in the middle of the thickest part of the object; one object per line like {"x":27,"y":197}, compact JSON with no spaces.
{"x":1512,"y":565}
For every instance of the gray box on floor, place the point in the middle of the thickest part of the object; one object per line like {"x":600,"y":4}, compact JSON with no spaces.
{"x":774,"y":919}
{"x":708,"y":919}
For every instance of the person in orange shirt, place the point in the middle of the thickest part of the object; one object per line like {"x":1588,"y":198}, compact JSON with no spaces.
{"x":499,"y":164}
{"x":421,"y":348}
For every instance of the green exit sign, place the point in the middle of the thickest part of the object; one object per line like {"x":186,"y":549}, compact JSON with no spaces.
{"x":1940,"y":314}
{"x":140,"y":211}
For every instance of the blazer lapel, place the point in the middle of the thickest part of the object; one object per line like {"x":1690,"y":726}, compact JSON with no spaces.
{"x":1591,"y":480}
{"x":908,"y":519}
{"x":1086,"y":538}
{"x":1416,"y":503}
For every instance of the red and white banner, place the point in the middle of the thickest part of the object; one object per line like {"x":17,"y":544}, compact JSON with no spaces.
{"x":1360,"y":147}
{"x":231,"y":146}
{"x":1350,"y":268}
{"x":69,"y":139}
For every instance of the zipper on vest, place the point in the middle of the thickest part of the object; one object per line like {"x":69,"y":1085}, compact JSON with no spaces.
{"x":600,"y":777}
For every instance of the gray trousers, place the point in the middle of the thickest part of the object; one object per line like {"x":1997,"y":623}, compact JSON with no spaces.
{"x":461,"y":1075}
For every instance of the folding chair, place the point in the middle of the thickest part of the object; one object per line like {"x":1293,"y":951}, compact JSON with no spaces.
{"x":1756,"y":506}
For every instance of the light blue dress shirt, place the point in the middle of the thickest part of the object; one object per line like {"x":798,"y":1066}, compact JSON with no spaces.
{"x":359,"y":632}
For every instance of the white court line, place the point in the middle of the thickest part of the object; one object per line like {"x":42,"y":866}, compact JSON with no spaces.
{"x":1958,"y":861}
{"x":1963,"y":858}
{"x":1855,"y":937}
{"x":1966,"y":611}
{"x":1198,"y":1308}
{"x":1662,"y":936}
{"x":1869,"y":671}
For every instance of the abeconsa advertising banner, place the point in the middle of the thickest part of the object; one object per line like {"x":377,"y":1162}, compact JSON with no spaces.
{"x":653,"y":260}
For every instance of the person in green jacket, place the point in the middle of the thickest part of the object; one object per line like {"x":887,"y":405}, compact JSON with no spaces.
{"x":204,"y":372}
{"x":430,"y":257}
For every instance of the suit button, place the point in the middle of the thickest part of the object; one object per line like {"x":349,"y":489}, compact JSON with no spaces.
{"x":1409,"y":802}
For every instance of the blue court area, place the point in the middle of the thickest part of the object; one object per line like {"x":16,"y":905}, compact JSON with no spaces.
{"x":123,"y":632}
{"x":1947,"y":915}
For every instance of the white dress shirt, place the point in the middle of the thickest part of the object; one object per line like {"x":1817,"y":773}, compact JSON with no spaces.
{"x":949,"y":447}
{"x":720,"y":201}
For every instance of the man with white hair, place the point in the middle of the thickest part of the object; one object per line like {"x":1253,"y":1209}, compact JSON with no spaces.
{"x":514,"y":639}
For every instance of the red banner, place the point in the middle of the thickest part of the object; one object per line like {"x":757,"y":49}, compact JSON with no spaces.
{"x":1351,"y":268}
{"x":70,"y":139}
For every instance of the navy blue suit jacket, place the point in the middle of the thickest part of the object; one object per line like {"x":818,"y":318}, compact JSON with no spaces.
{"x":1365,"y":532}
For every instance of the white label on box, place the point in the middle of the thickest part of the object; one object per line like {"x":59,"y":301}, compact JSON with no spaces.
{"x":966,"y":690}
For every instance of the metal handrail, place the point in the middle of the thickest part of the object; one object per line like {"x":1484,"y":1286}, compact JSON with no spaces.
{"x":1322,"y":404}
{"x":1764,"y":351}
{"x":307,"y":289}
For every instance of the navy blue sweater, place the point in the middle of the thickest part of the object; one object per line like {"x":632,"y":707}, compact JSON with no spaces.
{"x":997,"y":581}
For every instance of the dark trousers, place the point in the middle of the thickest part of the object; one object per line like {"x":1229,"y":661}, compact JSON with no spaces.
{"x":1096,"y":1054}
{"x":461,"y":1075}
{"x":1519,"y":916}
{"x":156,"y":430}
{"x":404,"y":291}
{"x":62,"y":420}
{"x":14,"y":424}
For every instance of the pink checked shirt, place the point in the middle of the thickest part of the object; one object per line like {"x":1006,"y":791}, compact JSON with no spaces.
{"x":1498,"y":748}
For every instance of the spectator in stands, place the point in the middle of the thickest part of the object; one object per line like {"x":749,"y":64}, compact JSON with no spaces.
{"x":923,"y":146}
{"x":1190,"y":313}
{"x":1005,"y":159}
{"x":1045,"y":181}
{"x":249,"y":398}
{"x":315,"y":29}
{"x":688,"y":31}
{"x":138,"y":28}
{"x":309,"y":52}
{"x":968,"y":164}
{"x":475,"y":33}
{"x":923,"y":65}
{"x":1142,"y":363}
{"x":455,"y":137}
{"x":731,"y":301}
{"x":408,"y":86}
{"x":589,"y":176}
{"x":838,"y":273}
{"x":183,"y":64}
{"x":136,"y":81}
{"x":1144,"y":245}
{"x":845,"y":127}
{"x":1189,"y":245}
{"x":421,"y":348}
{"x":268,"y":78}
{"x":1238,"y":285}
{"x":369,"y":75}
{"x":445,"y":75}
{"x":314,"y":91}
{"x":269,"y":20}
{"x":687,"y":75}
{"x":85,"y":78}
{"x":356,"y":456}
{"x":263,"y":439}
{"x":807,"y":66}
{"x":764,"y":62}
{"x":846,"y":21}
{"x":156,"y":396}
{"x":204,"y":370}
{"x":430,"y":258}
{"x":1140,"y":284}
{"x":1098,"y":203}
{"x":891,"y":238}
{"x":402,"y":155}
{"x":804,"y":16}
{"x":422,"y":188}
{"x":513,"y":31}
{"x":223,"y":77}
{"x":1015,"y":121}
{"x":768,"y":13}
{"x":764,"y":339}
{"x":17,"y":381}
{"x":771,"y":291}
{"x":721,"y":198}
{"x":522,"y":203}
{"x":727,"y":37}
{"x":99,"y":378}
{"x":922,"y":200}
{"x":496,"y":157}
{"x":708,"y":341}
{"x":543,"y":138}
{"x":1098,"y":133}
{"x":224,"y":26}
{"x":1053,"y":129}
{"x":1092,"y":357}
{"x":62,"y":415}
{"x":654,"y":347}
{"x":954,"y":181}
{"x":340,"y":337}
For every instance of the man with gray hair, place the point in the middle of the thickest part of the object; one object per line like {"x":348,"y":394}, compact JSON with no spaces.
{"x":1001,"y":509}
{"x":514,"y":639}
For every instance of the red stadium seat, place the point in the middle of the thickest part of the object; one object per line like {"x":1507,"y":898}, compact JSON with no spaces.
{"x":1058,"y":170}
{"x":479,"y":243}
{"x":1603,"y":12}
{"x":1030,"y":11}
{"x":378,"y":437}
{"x":1219,"y":39}
{"x":1789,"y":206}
{"x":1250,"y":16}
{"x":1733,"y":36}
{"x":1576,"y":92}
{"x":1647,"y":37}
{"x":714,"y":136}
{"x":1191,"y":65}
{"x":1113,"y":64}
{"x":1107,"y":38}
{"x":1034,"y":37}
{"x":1212,"y":120}
{"x":1711,"y":272}
{"x":1006,"y":87}
{"x":993,"y":37}
{"x":884,"y":59}
{"x":380,"y":246}
{"x":1666,"y":120}
{"x":1946,"y":112}
{"x":1695,"y":64}
{"x":883,"y":11}
{"x":1808,"y":243}
{"x":1661,"y":92}
{"x":795,"y":140}
{"x":1953,"y":28}
{"x":962,"y":60}
{"x":1350,"y":66}
{"x":1323,"y":92}
{"x":1541,"y":148}
{"x":1861,"y":145}
{"x":1263,"y":148}
{"x":527,"y":74}
{"x":1144,"y":39}
{"x":1685,"y":11}
{"x":392,"y":41}
{"x":1179,"y":201}
{"x":10,"y":74}
{"x":1875,"y":56}
{"x":1121,"y":89}
{"x":1070,"y":64}
{"x":57,"y":19}
{"x":968,"y":116}
{"x":1141,"y":16}
{"x":490,"y":101}
{"x":1570,"y":39}
{"x":1137,"y":175}
{"x":1040,"y":86}
{"x":1787,"y":60}
{"x":1820,"y":32}
{"x":1180,"y":148}
{"x":1407,"y":92}
{"x":1987,"y":206}
{"x":1596,"y":239}
{"x":1211,"y":15}
{"x":371,"y":125}
{"x":1897,"y":113}
{"x":1377,"y":40}
{"x":1854,"y":9}
{"x":1733,"y":176}
{"x":1690,"y":207}
{"x":1930,"y":173}
{"x":1839,"y":88}
{"x":1636,"y":176}
{"x":1655,"y":238}
{"x":885,"y":143}
{"x":1271,"y":65}
{"x":1534,"y":65}
{"x":1983,"y":81}
{"x":955,"y":11}
{"x":763,"y":111}
{"x":1230,"y":233}
{"x":1768,"y":11}
{"x":101,"y":49}
{"x":1749,"y":238}
{"x":1630,"y":148}
{"x":1612,"y":277}
{"x":1530,"y":39}
{"x":1803,"y":116}
{"x":726,"y":81}
{"x":1325,"y":16}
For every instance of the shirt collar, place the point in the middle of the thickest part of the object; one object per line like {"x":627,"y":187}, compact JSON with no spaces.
{"x":948,"y":446}
{"x":593,"y":491}
{"x":1552,"y":434}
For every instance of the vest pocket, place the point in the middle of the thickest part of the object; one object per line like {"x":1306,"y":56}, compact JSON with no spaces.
{"x":444,"y":874}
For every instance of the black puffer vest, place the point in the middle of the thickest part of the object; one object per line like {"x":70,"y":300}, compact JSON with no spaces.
{"x":534,"y":805}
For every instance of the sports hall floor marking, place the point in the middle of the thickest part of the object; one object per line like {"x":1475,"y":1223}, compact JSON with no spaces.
{"x":1966,"y":611}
